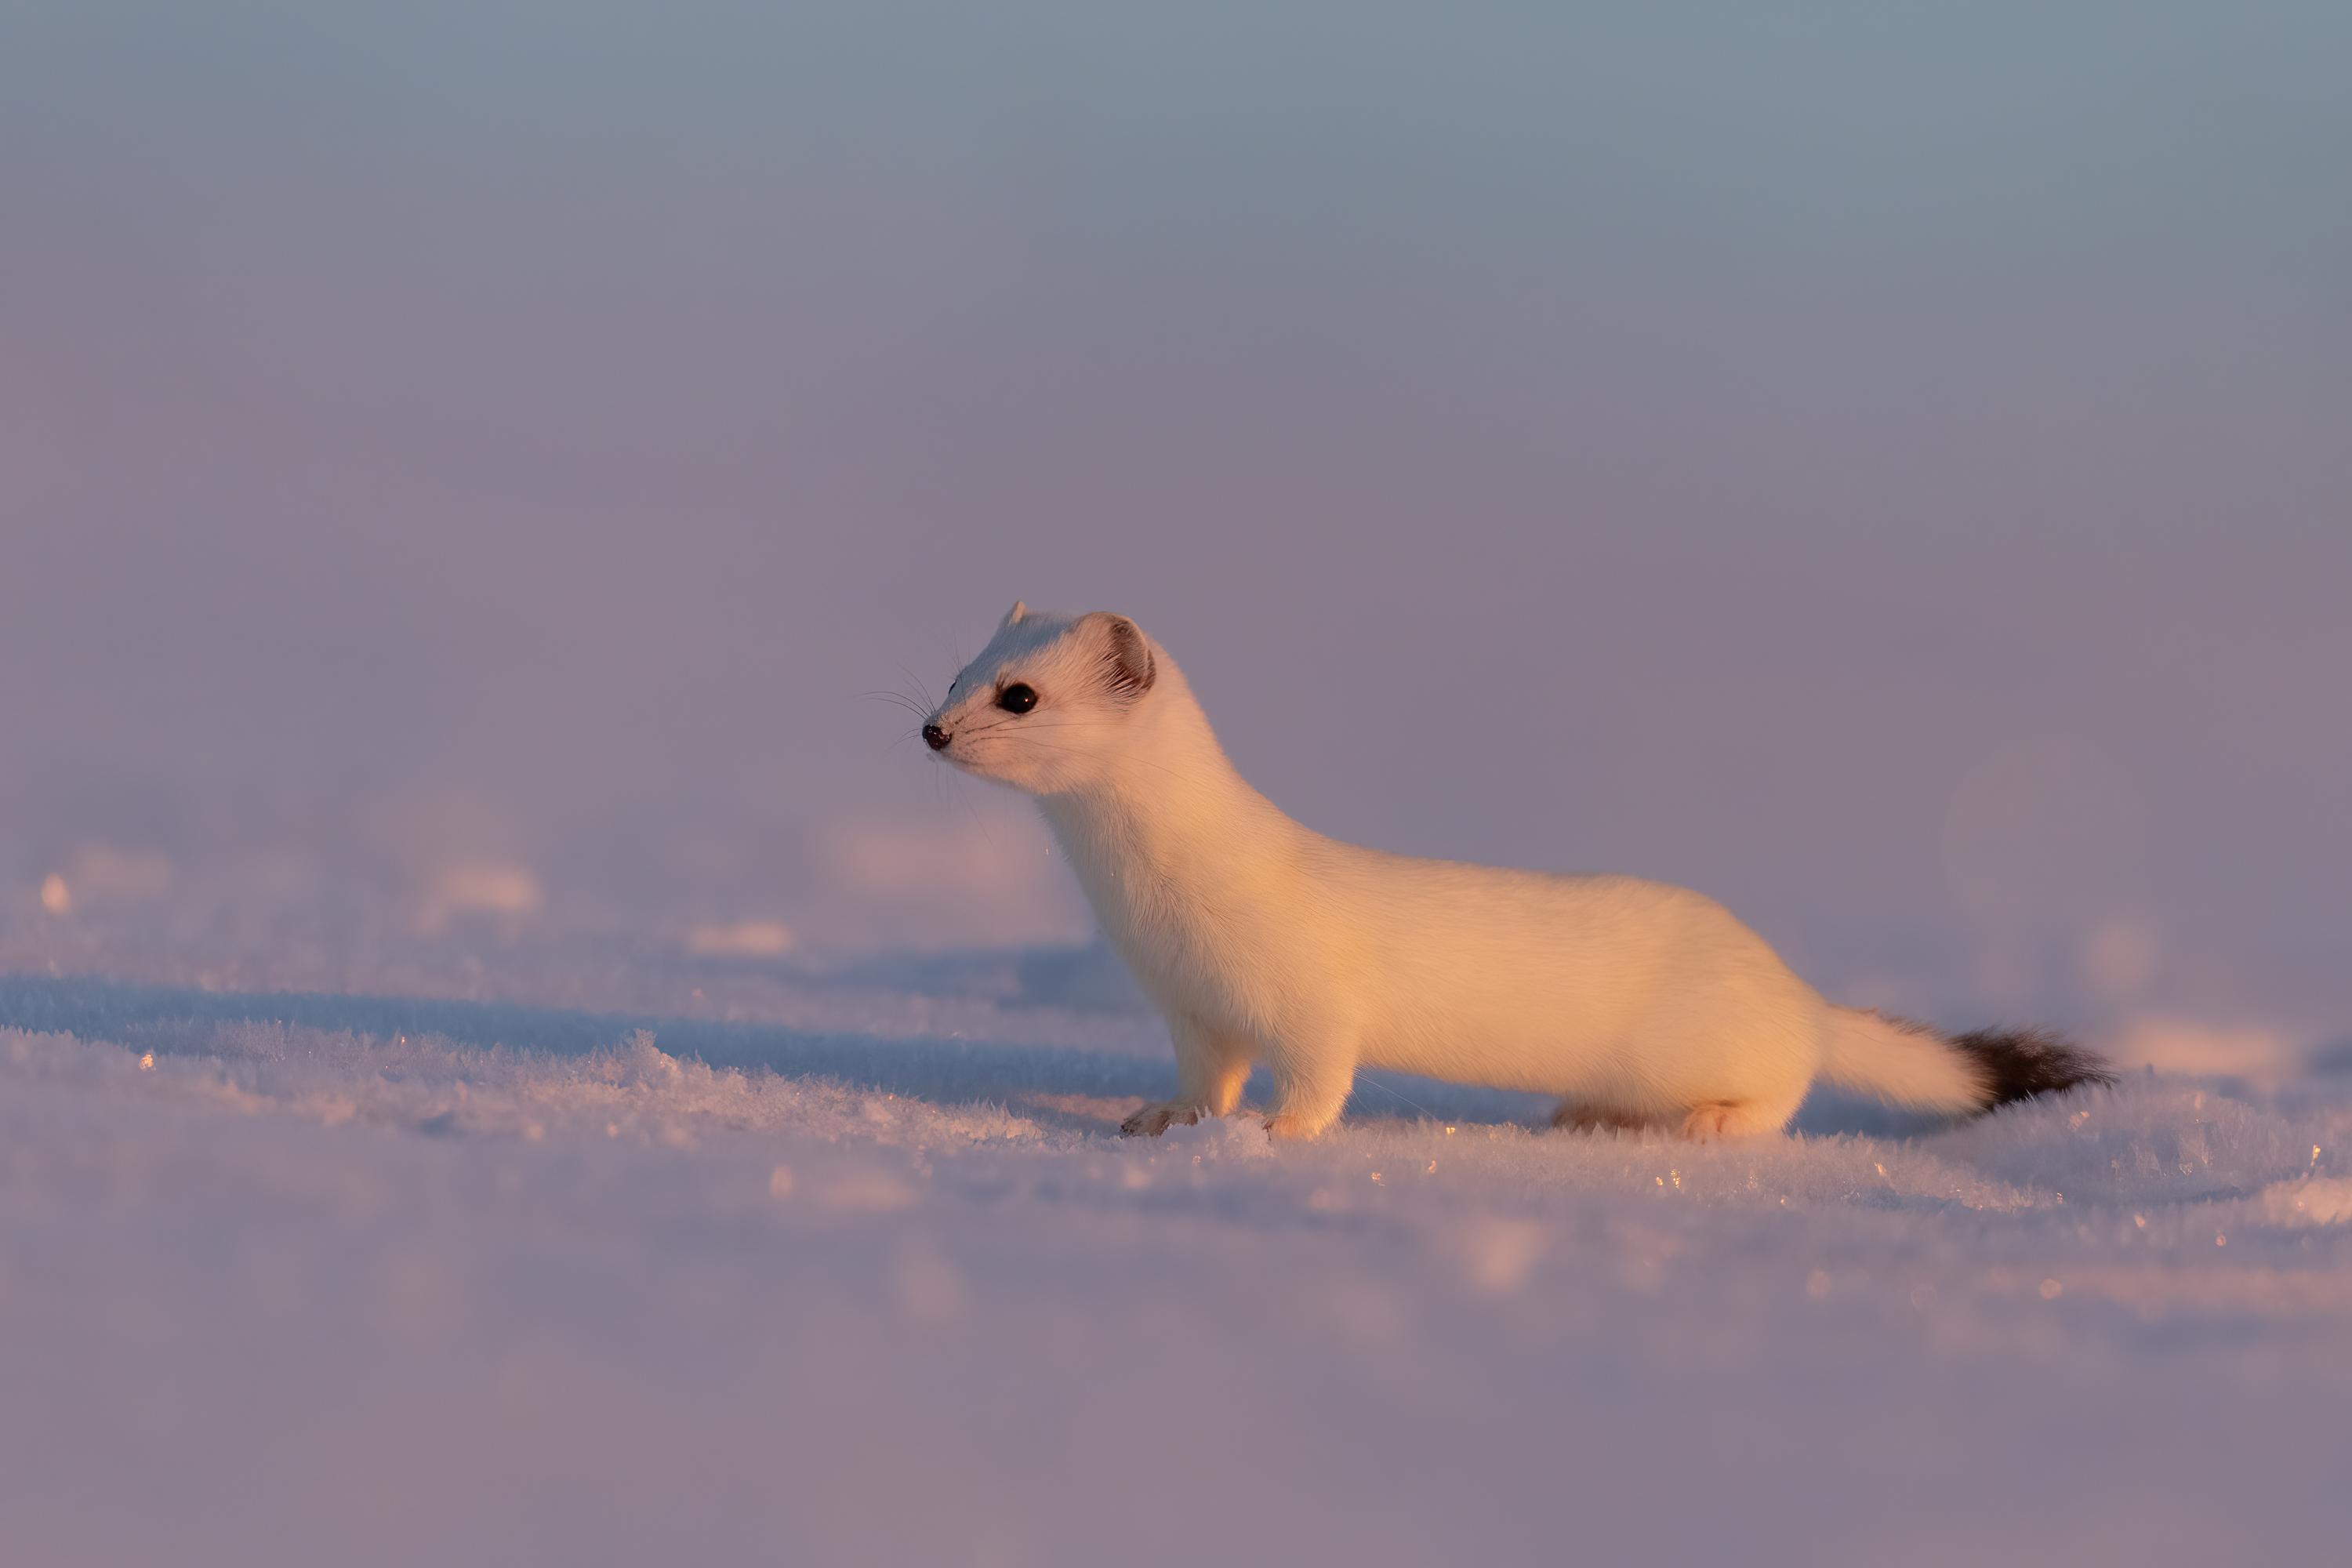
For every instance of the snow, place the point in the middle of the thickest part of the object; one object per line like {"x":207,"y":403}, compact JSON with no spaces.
{"x":472,"y":1251}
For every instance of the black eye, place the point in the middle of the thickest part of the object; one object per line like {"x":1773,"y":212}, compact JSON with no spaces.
{"x":1017,"y":698}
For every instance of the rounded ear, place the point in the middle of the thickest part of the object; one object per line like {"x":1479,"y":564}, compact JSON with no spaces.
{"x":1127,"y":665}
{"x":1017,"y":614}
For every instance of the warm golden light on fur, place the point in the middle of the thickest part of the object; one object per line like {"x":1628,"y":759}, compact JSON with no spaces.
{"x":1636,"y":1004}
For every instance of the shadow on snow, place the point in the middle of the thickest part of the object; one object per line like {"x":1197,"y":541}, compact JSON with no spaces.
{"x":940,"y":1069}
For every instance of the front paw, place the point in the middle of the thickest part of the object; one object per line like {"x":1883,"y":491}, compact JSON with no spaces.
{"x":1153,"y":1120}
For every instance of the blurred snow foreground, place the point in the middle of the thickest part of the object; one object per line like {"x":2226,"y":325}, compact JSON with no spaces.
{"x":627,"y":1257}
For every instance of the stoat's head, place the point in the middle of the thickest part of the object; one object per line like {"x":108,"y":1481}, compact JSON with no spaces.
{"x":1048,"y":705}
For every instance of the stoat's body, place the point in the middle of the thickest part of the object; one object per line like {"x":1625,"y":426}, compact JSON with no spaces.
{"x":1636,"y":1003}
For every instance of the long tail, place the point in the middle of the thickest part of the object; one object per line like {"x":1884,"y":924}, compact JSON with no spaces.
{"x":1911,"y":1063}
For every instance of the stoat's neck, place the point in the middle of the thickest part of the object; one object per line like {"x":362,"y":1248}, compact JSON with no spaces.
{"x":1171,"y":815}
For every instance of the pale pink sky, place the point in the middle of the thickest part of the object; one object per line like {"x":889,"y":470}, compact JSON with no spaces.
{"x":1896,"y":474}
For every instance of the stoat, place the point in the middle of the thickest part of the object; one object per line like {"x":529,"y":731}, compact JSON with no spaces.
{"x":1637,"y":1004}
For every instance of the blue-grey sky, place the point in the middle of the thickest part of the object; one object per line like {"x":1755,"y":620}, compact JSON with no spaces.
{"x":1889,"y":466}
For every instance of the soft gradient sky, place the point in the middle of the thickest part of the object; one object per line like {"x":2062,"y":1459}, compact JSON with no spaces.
{"x":1889,"y":466}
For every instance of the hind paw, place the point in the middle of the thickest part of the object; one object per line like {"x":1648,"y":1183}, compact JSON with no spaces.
{"x":1577,"y":1117}
{"x":1713,"y":1123}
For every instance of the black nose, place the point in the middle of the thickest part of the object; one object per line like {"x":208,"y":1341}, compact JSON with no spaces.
{"x":936,"y":738}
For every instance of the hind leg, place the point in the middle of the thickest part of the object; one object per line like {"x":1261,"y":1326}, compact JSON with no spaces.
{"x":1717,"y":1121}
{"x":1585,"y":1116}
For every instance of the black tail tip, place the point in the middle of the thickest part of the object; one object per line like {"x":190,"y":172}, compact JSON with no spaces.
{"x":2019,"y":1064}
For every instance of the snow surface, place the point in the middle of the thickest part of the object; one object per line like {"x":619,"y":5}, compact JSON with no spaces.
{"x":478,"y":1253}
